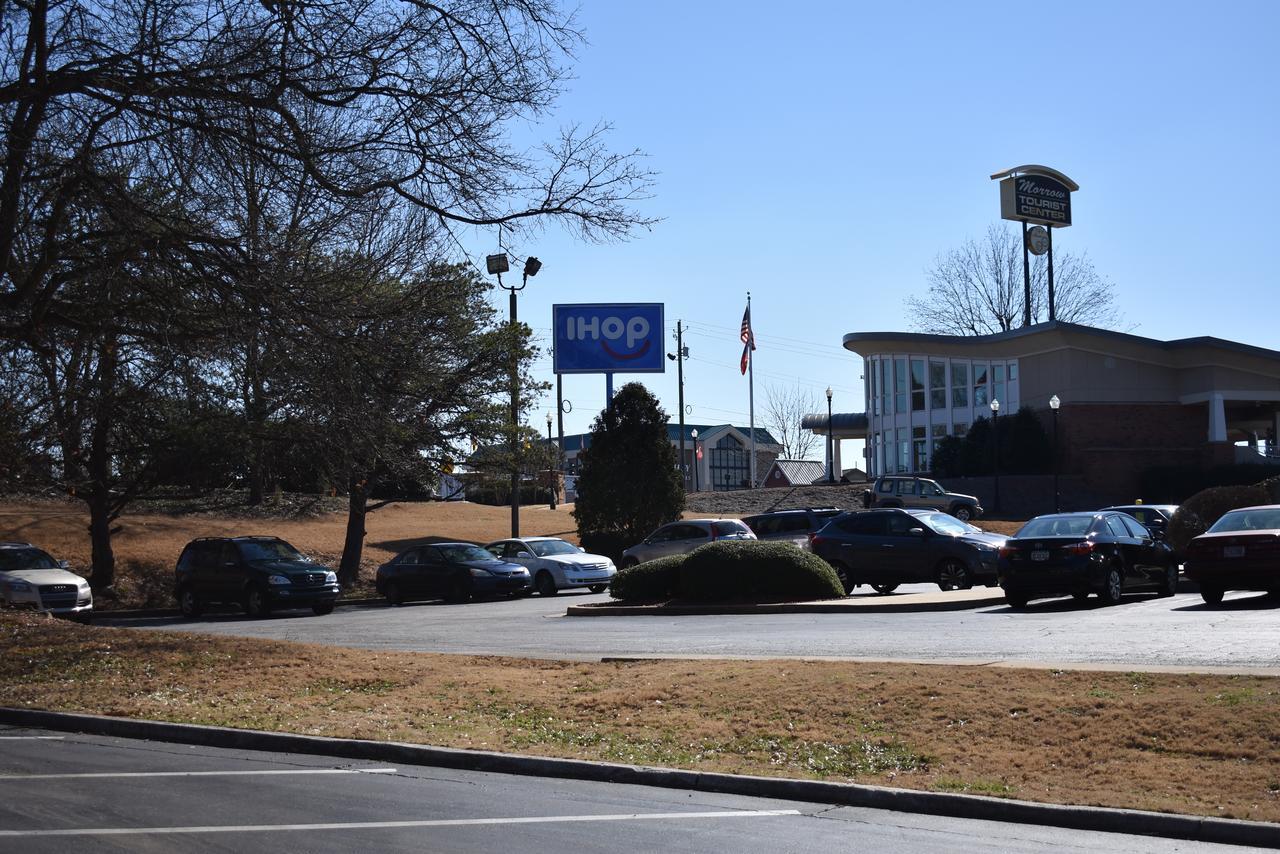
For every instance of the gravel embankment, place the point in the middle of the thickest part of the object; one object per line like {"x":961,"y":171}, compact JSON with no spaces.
{"x":846,"y":496}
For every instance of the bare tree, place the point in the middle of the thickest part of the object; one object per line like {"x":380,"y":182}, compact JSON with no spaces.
{"x":978,"y":289}
{"x":783,"y":409}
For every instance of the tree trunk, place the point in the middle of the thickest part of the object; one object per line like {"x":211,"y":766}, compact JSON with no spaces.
{"x":104,"y":559}
{"x":99,"y":469}
{"x":358,"y":500}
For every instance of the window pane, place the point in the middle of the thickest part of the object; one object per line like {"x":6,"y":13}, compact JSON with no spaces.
{"x":980,"y":385}
{"x":917,"y":385}
{"x":937,"y":385}
{"x":997,"y":376}
{"x":959,"y":384}
{"x":899,"y":385}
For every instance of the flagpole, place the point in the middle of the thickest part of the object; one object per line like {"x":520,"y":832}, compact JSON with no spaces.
{"x":751,"y":396}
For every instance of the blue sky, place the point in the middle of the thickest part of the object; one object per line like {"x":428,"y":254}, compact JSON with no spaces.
{"x":822,"y":155}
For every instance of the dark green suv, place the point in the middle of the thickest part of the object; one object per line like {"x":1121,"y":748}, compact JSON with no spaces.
{"x":261,"y":574}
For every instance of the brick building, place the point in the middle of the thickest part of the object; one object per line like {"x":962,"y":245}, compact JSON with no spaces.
{"x":1127,"y":403}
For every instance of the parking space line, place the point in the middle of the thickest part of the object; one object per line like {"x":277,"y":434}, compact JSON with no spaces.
{"x":31,"y":737}
{"x":261,"y":773}
{"x":375,"y":825}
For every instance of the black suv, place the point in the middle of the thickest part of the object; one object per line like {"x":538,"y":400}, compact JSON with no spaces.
{"x":791,"y":526}
{"x":259,"y":573}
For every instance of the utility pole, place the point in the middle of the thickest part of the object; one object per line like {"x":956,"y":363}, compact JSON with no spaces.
{"x":497,"y":265}
{"x":679,"y":356}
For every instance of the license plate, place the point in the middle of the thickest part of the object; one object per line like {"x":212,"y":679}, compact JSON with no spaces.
{"x":1040,"y":554}
{"x":1233,"y":551}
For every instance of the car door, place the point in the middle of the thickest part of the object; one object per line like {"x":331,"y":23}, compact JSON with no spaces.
{"x":906,"y":554}
{"x":860,"y":546}
{"x":230,"y":573}
{"x":435,"y":572}
{"x":1128,"y":546}
{"x":908,"y":491}
{"x":687,"y":537}
{"x":1149,"y":556}
{"x":518,"y":551}
{"x":406,"y":571}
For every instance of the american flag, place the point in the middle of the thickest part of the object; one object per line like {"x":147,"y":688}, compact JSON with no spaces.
{"x":748,"y":339}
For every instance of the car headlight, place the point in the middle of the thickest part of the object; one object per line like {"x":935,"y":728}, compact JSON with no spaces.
{"x":331,"y":578}
{"x":279,"y":579}
{"x":19,"y":587}
{"x":477,"y":572}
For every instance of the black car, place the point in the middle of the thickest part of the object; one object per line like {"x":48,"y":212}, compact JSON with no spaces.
{"x":885,"y":548}
{"x":1154,"y":517}
{"x":262,"y":574}
{"x":451,"y":571}
{"x":1081,"y":553}
{"x":791,"y":526}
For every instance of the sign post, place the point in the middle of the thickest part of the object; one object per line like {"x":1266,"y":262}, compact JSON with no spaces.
{"x":1040,"y":195}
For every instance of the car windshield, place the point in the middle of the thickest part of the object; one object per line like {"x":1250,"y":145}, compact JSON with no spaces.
{"x":1247,"y":520}
{"x":1056,"y":526}
{"x":545,"y":548}
{"x":463,"y":554}
{"x":11,"y":559}
{"x":944,"y":524}
{"x":253,"y":550}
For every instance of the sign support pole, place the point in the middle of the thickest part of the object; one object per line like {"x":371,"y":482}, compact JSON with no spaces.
{"x":751,"y":398}
{"x":1026,"y":279}
{"x":684,"y":471}
{"x":559,"y":429}
{"x":608,"y":391}
{"x":1052,"y":313}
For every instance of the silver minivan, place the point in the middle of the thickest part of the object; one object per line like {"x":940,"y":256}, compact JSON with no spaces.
{"x":677,"y":538}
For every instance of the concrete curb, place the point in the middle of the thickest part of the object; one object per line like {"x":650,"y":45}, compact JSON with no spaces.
{"x":1200,"y":829}
{"x":135,"y":613}
{"x":879,"y":604}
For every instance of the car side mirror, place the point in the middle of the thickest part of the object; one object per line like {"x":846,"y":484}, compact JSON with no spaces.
{"x":523,"y":554}
{"x":62,"y":564}
{"x":917,"y":532}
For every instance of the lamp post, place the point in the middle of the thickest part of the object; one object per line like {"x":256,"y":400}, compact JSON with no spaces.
{"x":497,"y":265}
{"x":697,"y":487}
{"x":681,"y":353}
{"x":831,"y":456}
{"x":995,"y":438}
{"x":551,"y":470}
{"x":1054,"y":403}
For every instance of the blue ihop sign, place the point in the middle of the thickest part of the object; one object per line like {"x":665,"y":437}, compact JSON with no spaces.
{"x":608,"y":338}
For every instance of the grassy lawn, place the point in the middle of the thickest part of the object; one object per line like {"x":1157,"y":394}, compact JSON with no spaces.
{"x":1196,"y":744}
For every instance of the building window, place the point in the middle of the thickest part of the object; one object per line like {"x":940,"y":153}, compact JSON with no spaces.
{"x":872,"y":391}
{"x":904,"y":449}
{"x":885,"y":371}
{"x":917,"y":385}
{"x":997,"y":383}
{"x":939,"y":433}
{"x":937,"y":385}
{"x":959,"y":383}
{"x":899,"y":385}
{"x":730,"y":468}
{"x":980,"y":385}
{"x":919,"y":449}
{"x":960,"y":430}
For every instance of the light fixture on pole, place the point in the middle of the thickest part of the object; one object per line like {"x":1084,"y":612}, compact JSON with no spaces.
{"x":697,"y":486}
{"x":551,"y":469}
{"x":995,"y":438}
{"x":1054,"y":404}
{"x":831,"y":456}
{"x":497,"y":265}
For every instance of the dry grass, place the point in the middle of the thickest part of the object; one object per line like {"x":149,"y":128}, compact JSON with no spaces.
{"x":1195,"y":744}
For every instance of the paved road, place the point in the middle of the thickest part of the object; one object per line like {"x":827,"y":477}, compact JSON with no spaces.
{"x":84,"y":793}
{"x":1143,"y":632}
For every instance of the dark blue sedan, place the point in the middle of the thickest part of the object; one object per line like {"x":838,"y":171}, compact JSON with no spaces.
{"x":1082,"y":553}
{"x":455,"y":572}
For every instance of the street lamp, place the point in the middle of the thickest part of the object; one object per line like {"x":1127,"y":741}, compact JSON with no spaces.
{"x":995,"y":438}
{"x":497,"y":265}
{"x":551,"y":470}
{"x":831,"y":457}
{"x":697,"y":487}
{"x":1054,"y":403}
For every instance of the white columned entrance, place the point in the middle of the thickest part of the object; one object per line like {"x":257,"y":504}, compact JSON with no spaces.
{"x":1217,"y":418}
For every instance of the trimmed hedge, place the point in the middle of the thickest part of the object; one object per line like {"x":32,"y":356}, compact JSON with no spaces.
{"x":653,"y":581}
{"x":1201,"y":510}
{"x":730,"y":569}
{"x":1175,"y":484}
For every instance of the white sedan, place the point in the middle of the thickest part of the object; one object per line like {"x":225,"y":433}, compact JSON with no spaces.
{"x":29,"y":578}
{"x":556,"y":564}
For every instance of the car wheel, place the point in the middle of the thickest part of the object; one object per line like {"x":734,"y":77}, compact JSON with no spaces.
{"x":1016,"y":600}
{"x":189,"y":602}
{"x":598,"y":588}
{"x":1211,"y":595}
{"x":1169,"y":584}
{"x":884,"y":589}
{"x":394,"y":594}
{"x":255,"y":602}
{"x":546,"y":584}
{"x":844,"y":575}
{"x":954,"y":575}
{"x":459,"y":591}
{"x":962,"y":512}
{"x":1112,"y":585}
{"x":322,"y":608}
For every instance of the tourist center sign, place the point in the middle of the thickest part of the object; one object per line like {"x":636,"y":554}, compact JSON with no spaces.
{"x":1037,"y":195}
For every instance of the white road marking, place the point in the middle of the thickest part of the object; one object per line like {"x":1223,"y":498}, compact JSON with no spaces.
{"x":262,"y":773}
{"x":375,"y":825}
{"x":31,"y":737}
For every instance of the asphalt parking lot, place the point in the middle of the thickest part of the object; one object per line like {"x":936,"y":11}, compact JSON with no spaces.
{"x":1144,"y":632}
{"x":93,"y":793}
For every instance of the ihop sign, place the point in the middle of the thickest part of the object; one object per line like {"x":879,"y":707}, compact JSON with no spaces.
{"x":608,"y":338}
